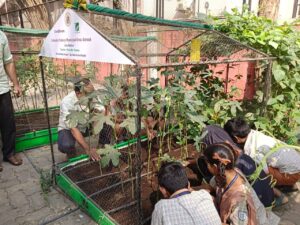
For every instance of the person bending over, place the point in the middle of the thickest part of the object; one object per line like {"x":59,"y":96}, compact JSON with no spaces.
{"x":182,"y":206}
{"x":235,"y":199}
{"x":67,"y":135}
{"x":283,"y":165}
{"x":262,"y":185}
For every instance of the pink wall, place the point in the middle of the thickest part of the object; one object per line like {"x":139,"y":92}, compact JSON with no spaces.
{"x":244,"y":70}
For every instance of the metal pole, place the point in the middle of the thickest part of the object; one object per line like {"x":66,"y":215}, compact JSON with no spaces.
{"x":267,"y":88}
{"x":48,"y":117}
{"x":162,"y":9}
{"x":156,"y":6}
{"x":138,"y":155}
{"x":21,"y":19}
{"x":227,"y":78}
{"x":49,"y":14}
{"x":212,"y":62}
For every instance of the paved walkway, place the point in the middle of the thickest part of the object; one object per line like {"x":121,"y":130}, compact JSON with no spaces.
{"x":22,"y":202}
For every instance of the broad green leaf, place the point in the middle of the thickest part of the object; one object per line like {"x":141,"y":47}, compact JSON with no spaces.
{"x":197,"y":119}
{"x":217,"y":107}
{"x":129,"y":124}
{"x":280,"y":98}
{"x":98,"y":121}
{"x":109,"y":153}
{"x":272,"y":101}
{"x":273,"y":44}
{"x":233,"y":110}
{"x":278,"y":73}
{"x":75,"y":118}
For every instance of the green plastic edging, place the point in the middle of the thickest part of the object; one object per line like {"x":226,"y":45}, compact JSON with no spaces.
{"x":35,"y":139}
{"x":81,"y":199}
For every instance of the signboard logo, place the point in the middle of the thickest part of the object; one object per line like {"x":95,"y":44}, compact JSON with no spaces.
{"x":68,"y":19}
{"x":77,"y":27}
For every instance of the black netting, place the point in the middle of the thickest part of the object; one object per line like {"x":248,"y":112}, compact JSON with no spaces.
{"x":35,"y":120}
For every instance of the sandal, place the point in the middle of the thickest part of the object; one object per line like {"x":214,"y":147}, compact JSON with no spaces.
{"x":281,"y":200}
{"x":13,"y":160}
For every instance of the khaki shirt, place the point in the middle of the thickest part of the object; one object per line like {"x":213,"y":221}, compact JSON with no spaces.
{"x":5,"y":58}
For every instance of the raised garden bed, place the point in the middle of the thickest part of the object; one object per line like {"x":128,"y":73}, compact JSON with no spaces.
{"x":108,"y":194}
{"x":32,"y":128}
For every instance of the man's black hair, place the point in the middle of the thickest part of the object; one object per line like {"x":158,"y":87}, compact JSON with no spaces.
{"x":172,"y":177}
{"x":237,"y":127}
{"x":78,"y":85}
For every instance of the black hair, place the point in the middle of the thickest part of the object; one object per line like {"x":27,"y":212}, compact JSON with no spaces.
{"x":237,"y":127}
{"x":172,"y":177}
{"x":214,"y":154}
{"x":78,"y":85}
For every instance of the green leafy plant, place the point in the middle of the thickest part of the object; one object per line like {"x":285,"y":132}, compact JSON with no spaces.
{"x":45,"y":182}
{"x":109,"y":154}
{"x":281,"y":115}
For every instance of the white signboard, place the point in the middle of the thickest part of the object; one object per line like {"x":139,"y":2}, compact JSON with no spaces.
{"x":72,"y":38}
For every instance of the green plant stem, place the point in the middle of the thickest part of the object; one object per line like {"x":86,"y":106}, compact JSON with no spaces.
{"x":149,"y":158}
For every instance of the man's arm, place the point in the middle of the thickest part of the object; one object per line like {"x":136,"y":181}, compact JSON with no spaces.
{"x":11,"y":72}
{"x":80,"y":139}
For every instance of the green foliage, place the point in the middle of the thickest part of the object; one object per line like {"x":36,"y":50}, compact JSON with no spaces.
{"x":130,"y":124}
{"x":76,"y":118}
{"x":45,"y":181}
{"x":166,"y":158}
{"x":99,"y":119}
{"x":109,"y":154}
{"x":282,"y":41}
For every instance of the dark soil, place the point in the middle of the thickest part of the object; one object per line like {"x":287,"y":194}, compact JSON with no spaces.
{"x":113,"y":189}
{"x":34,"y":121}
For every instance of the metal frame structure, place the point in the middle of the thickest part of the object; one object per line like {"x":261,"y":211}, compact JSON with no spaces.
{"x":138,"y":75}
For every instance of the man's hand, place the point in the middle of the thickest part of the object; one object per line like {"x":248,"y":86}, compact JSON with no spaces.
{"x":94,"y":156}
{"x":17,"y":90}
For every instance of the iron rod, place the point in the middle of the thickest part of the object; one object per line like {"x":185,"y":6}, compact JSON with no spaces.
{"x":94,"y":178}
{"x":227,"y":78}
{"x":121,"y":207}
{"x":139,"y":148}
{"x":205,"y":62}
{"x":267,"y":89}
{"x":116,"y":185}
{"x":21,"y":19}
{"x":48,"y":117}
{"x":78,"y":166}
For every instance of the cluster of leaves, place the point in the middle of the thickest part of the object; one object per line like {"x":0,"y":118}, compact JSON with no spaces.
{"x":28,"y":71}
{"x":192,"y":99}
{"x":282,"y":115}
{"x":111,"y":96}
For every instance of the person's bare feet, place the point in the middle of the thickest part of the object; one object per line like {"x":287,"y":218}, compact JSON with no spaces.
{"x":18,"y":157}
{"x":13,"y":160}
